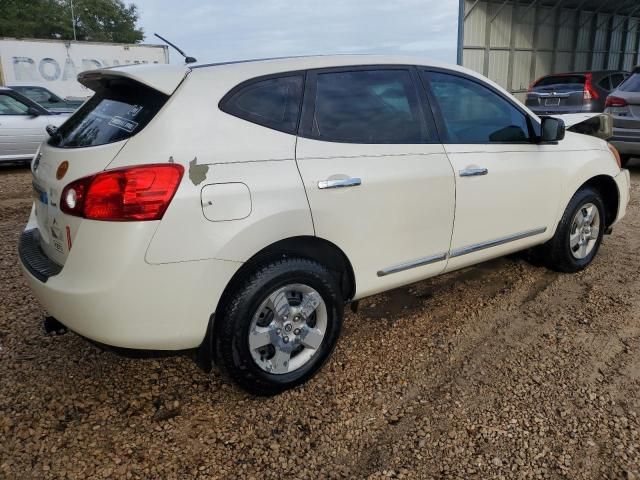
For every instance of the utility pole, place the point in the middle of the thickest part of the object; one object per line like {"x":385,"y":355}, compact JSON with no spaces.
{"x":73,"y":20}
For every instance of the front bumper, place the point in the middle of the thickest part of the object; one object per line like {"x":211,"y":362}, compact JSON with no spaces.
{"x":624,"y":146}
{"x":109,"y":294}
{"x":623,"y":181}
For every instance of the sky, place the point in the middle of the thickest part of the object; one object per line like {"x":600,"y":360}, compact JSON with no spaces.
{"x":225,"y":30}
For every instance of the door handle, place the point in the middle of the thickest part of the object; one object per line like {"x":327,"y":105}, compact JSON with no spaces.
{"x":473,"y":172}
{"x":339,"y":183}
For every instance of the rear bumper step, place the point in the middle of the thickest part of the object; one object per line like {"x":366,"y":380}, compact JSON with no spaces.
{"x":34,"y":259}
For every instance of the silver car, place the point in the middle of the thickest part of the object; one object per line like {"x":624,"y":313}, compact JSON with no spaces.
{"x":624,"y":105}
{"x":23,"y":126}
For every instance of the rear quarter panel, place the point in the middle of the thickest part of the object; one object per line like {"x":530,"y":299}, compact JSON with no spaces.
{"x":215,"y":147}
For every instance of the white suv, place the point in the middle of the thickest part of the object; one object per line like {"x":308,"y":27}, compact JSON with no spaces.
{"x":236,"y":208}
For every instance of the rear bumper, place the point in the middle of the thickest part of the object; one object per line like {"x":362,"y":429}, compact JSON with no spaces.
{"x":109,"y":294}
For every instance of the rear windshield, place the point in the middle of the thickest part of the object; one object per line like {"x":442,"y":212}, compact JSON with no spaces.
{"x":119,"y":109}
{"x":631,"y":84}
{"x":561,"y":80}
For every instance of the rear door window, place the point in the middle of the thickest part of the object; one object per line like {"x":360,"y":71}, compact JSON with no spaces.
{"x":119,"y":109}
{"x":272,"y":102}
{"x":368,"y":106}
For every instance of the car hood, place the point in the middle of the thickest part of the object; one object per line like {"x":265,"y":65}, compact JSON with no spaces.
{"x":598,"y":125}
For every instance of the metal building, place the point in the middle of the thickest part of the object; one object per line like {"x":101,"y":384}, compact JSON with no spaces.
{"x":513,"y":42}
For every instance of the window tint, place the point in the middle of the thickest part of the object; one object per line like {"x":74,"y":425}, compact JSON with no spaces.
{"x":473,"y":113}
{"x":11,"y":106}
{"x":367,"y":106}
{"x":274,"y":103}
{"x":560,"y":80}
{"x":119,"y":109}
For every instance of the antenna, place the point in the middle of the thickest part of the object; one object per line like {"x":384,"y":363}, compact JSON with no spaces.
{"x":187,"y":59}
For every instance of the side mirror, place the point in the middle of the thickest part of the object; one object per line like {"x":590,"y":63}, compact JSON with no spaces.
{"x":34,"y":112}
{"x":552,"y":129}
{"x":51,"y":130}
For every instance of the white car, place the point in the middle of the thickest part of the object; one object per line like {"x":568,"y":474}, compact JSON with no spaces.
{"x":236,"y":208}
{"x":23,"y":125}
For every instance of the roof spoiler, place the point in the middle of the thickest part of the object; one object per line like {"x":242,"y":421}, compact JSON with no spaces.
{"x":164,"y":78}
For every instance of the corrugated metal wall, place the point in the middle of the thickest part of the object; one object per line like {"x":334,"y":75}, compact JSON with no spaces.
{"x":513,"y":43}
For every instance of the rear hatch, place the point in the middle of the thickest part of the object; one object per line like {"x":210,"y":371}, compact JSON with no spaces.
{"x":624,"y":105}
{"x":559,"y":93}
{"x":125,"y":101}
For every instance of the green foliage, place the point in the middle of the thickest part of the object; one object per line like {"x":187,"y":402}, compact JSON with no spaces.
{"x":95,"y":20}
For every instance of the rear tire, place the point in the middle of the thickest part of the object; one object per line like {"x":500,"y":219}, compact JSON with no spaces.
{"x":294,"y":298}
{"x":624,"y":160}
{"x":579,"y":233}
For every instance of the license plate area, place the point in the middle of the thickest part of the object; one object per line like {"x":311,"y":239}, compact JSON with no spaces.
{"x":552,"y":102}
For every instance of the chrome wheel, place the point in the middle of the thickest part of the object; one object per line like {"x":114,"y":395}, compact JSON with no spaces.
{"x":287,"y":329}
{"x":585,"y":229}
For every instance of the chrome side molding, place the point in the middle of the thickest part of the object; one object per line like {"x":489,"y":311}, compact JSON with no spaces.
{"x":498,"y":241}
{"x":460,"y":251}
{"x":412,"y":264}
{"x":339,"y":183}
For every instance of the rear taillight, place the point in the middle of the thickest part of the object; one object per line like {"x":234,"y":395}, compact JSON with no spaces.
{"x":124,"y":194}
{"x":590,"y":93}
{"x":615,"y":102}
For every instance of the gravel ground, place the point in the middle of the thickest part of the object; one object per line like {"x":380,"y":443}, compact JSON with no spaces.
{"x":504,"y":370}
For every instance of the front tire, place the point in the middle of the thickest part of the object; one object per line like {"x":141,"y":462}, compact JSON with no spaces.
{"x":279,"y":326}
{"x":579,"y":233}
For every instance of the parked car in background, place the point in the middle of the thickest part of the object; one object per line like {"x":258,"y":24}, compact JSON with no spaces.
{"x":23,"y":125}
{"x":573,"y":92}
{"x":624,"y":105}
{"x":157,"y":225}
{"x":47,"y":98}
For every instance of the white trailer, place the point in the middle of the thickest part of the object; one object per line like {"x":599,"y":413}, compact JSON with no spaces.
{"x":55,"y":64}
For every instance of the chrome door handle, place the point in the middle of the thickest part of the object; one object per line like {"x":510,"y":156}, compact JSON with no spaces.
{"x":473,"y":172}
{"x":339,"y":183}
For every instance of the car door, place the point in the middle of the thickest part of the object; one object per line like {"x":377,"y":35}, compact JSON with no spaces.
{"x":507,"y":185}
{"x":378,"y":181}
{"x":20,"y":132}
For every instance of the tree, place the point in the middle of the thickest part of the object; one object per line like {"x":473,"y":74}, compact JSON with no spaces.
{"x":95,"y":20}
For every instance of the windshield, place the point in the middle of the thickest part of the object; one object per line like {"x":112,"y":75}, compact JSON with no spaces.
{"x":631,"y":84}
{"x":39,"y":94}
{"x":120,"y":109}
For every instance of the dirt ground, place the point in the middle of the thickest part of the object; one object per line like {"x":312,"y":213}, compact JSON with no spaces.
{"x":504,"y":370}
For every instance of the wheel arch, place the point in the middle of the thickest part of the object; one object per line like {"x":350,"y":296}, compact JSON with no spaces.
{"x":304,"y":246}
{"x":608,"y":189}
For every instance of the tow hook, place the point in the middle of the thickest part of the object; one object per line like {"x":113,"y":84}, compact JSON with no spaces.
{"x":53,"y":326}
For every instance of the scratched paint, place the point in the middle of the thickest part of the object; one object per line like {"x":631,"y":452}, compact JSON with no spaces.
{"x":197,"y":173}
